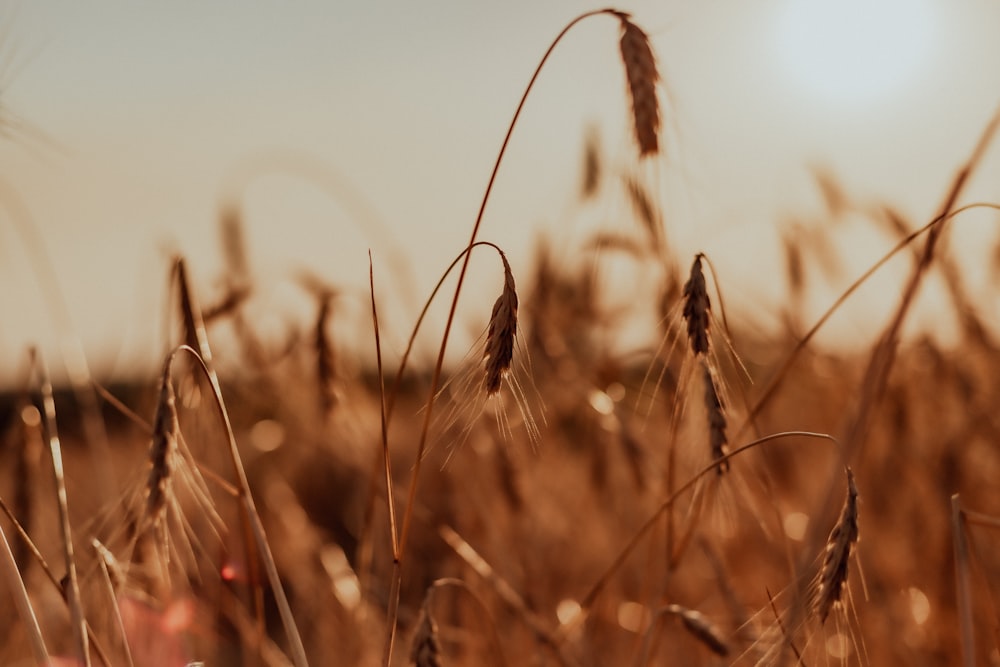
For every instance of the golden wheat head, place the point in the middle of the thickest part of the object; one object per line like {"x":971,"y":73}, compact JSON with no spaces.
{"x":642,"y":75}
{"x":697,"y":307}
{"x":165,"y":427}
{"x":833,"y":576}
{"x":499,"y":351}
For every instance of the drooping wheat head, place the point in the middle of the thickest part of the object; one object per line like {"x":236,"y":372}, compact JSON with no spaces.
{"x":642,"y":75}
{"x":499,"y":351}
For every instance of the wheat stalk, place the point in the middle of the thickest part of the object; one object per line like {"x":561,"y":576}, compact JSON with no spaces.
{"x":72,"y":585}
{"x":449,"y":322}
{"x":15,"y":582}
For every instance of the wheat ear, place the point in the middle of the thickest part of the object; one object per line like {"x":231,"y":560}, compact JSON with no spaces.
{"x":503,"y":328}
{"x":642,"y":75}
{"x":701,"y":628}
{"x":833,"y":575}
{"x":697,"y":308}
{"x":449,"y":322}
{"x":161,"y":446}
{"x":326,"y":360}
{"x":425,"y":651}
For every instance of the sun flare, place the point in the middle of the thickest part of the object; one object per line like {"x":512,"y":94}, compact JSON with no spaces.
{"x":854,"y":52}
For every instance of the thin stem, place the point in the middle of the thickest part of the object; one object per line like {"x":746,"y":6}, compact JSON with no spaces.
{"x":881,"y":361}
{"x":382,"y":415}
{"x":194,"y":326}
{"x":779,"y":375}
{"x":436,"y":377}
{"x":22,"y":602}
{"x":389,"y":406}
{"x":250,"y":509}
{"x":602,"y":581}
{"x":80,"y":636}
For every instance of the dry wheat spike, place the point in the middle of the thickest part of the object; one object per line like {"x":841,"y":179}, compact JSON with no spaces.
{"x":499,"y":351}
{"x":697,"y":307}
{"x":833,"y":576}
{"x":642,"y":75}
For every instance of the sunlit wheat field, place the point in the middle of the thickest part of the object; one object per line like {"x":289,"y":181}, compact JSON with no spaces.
{"x":564,"y":413}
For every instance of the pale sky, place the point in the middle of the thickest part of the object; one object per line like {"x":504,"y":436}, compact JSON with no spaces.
{"x":143,"y":115}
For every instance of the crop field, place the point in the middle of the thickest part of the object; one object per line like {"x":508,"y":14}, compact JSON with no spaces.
{"x":619,"y":470}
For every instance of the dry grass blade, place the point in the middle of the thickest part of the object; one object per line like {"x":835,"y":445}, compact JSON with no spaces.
{"x":21,"y":601}
{"x":504,"y":591}
{"x":717,"y":439}
{"x":597,"y":588}
{"x":499,"y":351}
{"x":642,"y":75}
{"x":252,"y":517}
{"x":193,"y":324}
{"x":697,"y":307}
{"x":701,"y":628}
{"x":833,"y":575}
{"x":55,"y":448}
{"x":884,"y":354}
{"x":113,"y":580}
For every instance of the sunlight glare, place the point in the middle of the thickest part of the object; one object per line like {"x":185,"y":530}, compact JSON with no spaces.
{"x":852,"y":52}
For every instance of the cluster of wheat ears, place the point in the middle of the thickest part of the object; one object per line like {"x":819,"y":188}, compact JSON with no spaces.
{"x":551,"y":500}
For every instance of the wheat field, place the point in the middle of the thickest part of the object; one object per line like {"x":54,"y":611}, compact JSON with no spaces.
{"x":717,"y":493}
